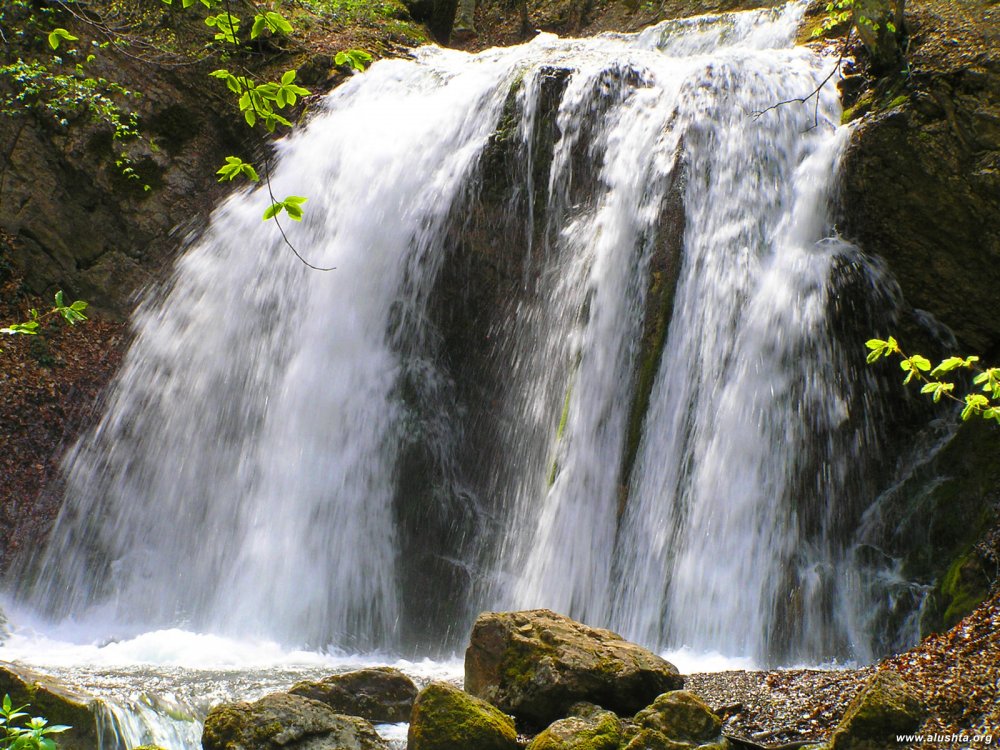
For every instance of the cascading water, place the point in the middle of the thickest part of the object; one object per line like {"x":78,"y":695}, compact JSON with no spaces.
{"x":580,"y":350}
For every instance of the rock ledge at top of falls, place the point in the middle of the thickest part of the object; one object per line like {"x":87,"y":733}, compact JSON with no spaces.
{"x":536,"y":664}
{"x":289,"y":722}
{"x":379,"y":694}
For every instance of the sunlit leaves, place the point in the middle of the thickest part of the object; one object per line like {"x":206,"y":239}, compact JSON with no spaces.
{"x":953,"y":363}
{"x":56,"y":36}
{"x":880,"y":348}
{"x":912,"y":365}
{"x":357,"y":59}
{"x":226,"y":26}
{"x":937,"y":389}
{"x":292,"y":205}
{"x":272,"y":21}
{"x":985,"y":404}
{"x":236,"y":167}
{"x":72,"y":313}
{"x":32,"y":735}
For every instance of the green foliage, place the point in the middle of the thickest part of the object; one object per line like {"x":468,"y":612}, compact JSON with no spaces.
{"x":292,"y":205}
{"x":71,"y":313}
{"x":33,"y":734}
{"x":236,"y":167}
{"x":61,"y":92}
{"x":985,"y":403}
{"x":357,"y":59}
{"x":62,"y":87}
{"x":841,"y":11}
{"x":58,"y":35}
{"x":358,"y":11}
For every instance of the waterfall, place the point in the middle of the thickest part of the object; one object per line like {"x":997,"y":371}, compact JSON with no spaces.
{"x":580,"y":349}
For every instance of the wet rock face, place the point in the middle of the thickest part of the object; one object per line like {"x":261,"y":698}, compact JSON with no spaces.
{"x":445,"y":718}
{"x":922,"y":175}
{"x":289,"y":722}
{"x":537,"y":664}
{"x":381,"y":694}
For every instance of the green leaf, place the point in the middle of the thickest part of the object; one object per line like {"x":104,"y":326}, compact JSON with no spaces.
{"x":58,"y":35}
{"x":287,"y":77}
{"x":357,"y":59}
{"x":273,"y":210}
{"x":29,"y":329}
{"x":937,"y":389}
{"x":974,"y":403}
{"x":277,"y":23}
{"x":259,"y":24}
{"x":948,"y":365}
{"x":59,"y":298}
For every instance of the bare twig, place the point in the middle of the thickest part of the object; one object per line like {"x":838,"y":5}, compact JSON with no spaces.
{"x":757,"y":114}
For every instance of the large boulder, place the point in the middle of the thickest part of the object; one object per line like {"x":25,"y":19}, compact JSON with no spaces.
{"x":683,"y":721}
{"x":288,"y":722}
{"x":536,"y":664}
{"x":379,"y":694}
{"x":446,"y":718}
{"x":884,"y":708}
{"x":46,"y":697}
{"x":587,"y":730}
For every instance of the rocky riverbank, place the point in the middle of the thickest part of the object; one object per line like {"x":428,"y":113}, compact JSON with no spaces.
{"x":538,"y":680}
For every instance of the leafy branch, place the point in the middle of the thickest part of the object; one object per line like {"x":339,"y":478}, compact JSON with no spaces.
{"x":261,"y":102}
{"x":34,"y":734}
{"x":71,"y":313}
{"x":985,"y":404}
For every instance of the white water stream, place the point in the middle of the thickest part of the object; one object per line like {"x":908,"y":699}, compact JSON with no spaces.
{"x":243,"y":481}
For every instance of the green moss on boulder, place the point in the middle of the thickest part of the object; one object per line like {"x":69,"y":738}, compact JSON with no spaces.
{"x":598,"y":730}
{"x":446,"y":718}
{"x":682,"y":718}
{"x":289,"y":722}
{"x":885,"y":707}
{"x":537,"y":664}
{"x":380,"y":694}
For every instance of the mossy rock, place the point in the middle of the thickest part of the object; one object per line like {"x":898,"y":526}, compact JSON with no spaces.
{"x":650,"y":739}
{"x":288,"y":722}
{"x":964,"y":587}
{"x":446,"y":718}
{"x":884,"y":708}
{"x":46,"y":697}
{"x":537,"y":664}
{"x":379,"y":694}
{"x":682,"y":717}
{"x":598,"y":730}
